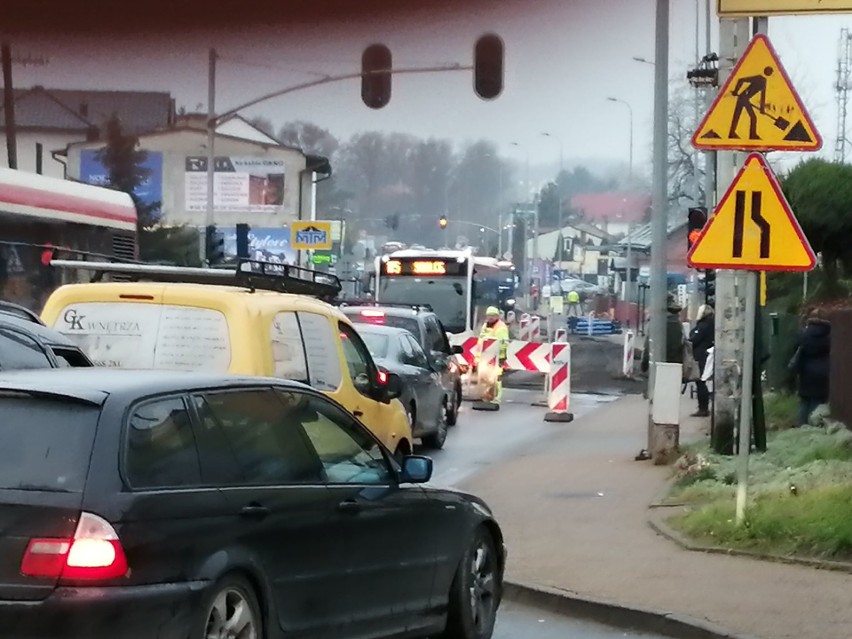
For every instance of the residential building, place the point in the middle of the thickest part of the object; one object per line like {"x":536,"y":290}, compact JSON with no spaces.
{"x":614,"y":213}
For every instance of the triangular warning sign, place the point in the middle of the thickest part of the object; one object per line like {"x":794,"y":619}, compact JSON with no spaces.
{"x":758,"y":109}
{"x":753,"y":227}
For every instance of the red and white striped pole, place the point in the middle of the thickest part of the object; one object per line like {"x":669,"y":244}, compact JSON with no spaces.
{"x":559,"y":398}
{"x":535,"y":328}
{"x":629,"y":354}
{"x":524,"y":334}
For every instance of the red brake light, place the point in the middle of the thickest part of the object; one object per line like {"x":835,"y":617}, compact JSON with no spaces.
{"x":93,"y":554}
{"x":374,"y":317}
{"x":383,"y":378}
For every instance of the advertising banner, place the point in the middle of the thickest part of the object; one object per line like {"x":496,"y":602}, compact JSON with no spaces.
{"x":311,"y":235}
{"x":241,"y":184}
{"x":265,"y":245}
{"x":93,"y":171}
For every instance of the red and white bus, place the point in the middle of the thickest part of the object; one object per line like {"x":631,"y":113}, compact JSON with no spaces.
{"x":38,"y":212}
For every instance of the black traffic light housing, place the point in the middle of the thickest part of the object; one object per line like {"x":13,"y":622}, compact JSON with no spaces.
{"x":710,"y":287}
{"x":215,"y":245}
{"x":697,"y":219}
{"x":376,"y":64}
{"x":443,"y":221}
{"x":243,"y":240}
{"x":488,"y":57}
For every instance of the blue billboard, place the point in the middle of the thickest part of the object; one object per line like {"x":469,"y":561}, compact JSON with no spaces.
{"x":92,"y":171}
{"x":265,"y":244}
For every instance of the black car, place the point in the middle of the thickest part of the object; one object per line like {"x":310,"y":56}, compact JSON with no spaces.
{"x":424,"y":397}
{"x":429,"y":333}
{"x":167,"y":505}
{"x":26,"y":343}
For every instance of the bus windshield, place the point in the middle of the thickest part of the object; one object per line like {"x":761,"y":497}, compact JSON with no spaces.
{"x":446,"y":295}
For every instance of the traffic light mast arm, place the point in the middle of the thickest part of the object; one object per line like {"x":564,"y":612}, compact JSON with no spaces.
{"x":329,"y":79}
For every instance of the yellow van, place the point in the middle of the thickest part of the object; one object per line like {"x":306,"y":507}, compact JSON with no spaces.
{"x":183,"y":326}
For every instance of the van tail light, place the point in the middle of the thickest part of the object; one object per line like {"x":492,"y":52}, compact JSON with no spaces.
{"x":93,"y":554}
{"x":383,"y":378}
{"x":374,"y":317}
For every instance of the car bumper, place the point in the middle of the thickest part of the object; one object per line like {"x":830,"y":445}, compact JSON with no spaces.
{"x":162,"y":611}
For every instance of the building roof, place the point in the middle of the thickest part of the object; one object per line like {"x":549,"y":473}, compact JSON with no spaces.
{"x":75,"y":110}
{"x":640,"y":238}
{"x":612,"y":207}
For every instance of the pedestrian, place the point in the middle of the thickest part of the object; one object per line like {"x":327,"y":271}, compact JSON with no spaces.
{"x":702,"y":338}
{"x":811,"y":364}
{"x":574,"y":308}
{"x":494,"y":328}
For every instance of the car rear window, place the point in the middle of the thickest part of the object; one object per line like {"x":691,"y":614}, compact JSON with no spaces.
{"x":376,"y":344}
{"x":408,"y":323}
{"x":45,"y":444}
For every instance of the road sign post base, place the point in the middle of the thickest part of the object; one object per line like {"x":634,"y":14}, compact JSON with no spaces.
{"x":562,"y":418}
{"x":488,"y":406}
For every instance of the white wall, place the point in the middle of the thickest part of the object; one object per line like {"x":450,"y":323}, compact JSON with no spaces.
{"x":27,"y":151}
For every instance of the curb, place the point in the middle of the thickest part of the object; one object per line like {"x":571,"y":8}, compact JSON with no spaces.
{"x":664,"y":530}
{"x":567,"y":603}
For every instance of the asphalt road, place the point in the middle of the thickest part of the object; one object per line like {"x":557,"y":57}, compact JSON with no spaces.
{"x":516,"y":622}
{"x":483,"y":438}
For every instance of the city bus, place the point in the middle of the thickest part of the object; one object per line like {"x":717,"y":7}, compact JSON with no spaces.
{"x":456,"y":284}
{"x":42,"y":216}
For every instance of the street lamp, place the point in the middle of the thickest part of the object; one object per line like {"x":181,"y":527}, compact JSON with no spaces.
{"x":637,"y":58}
{"x":558,"y":196}
{"x":630,"y":110}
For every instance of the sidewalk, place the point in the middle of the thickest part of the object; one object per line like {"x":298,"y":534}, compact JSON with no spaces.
{"x":575,"y":509}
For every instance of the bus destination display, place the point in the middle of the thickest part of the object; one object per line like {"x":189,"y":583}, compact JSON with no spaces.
{"x":423,"y":267}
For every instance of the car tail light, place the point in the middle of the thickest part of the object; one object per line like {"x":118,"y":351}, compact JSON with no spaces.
{"x":93,"y":554}
{"x":383,"y":378}
{"x":374,"y":317}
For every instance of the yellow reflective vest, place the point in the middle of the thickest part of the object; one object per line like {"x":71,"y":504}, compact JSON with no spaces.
{"x":573,"y":297}
{"x":498,"y":331}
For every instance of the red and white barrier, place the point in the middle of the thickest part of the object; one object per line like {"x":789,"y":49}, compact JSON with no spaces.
{"x":528,"y":356}
{"x":628,"y":358}
{"x":559,"y":395}
{"x":524,"y":327}
{"x":535,"y":329}
{"x":488,"y":374}
{"x":561,"y":335}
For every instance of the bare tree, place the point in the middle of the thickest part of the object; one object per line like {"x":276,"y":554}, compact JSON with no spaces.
{"x":686,"y":166}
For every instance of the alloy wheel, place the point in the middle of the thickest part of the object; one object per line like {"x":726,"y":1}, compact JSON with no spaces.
{"x":231,"y":617}
{"x":483,"y":588}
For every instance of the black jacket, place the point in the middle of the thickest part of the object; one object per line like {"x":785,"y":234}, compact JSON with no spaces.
{"x":812,"y":362}
{"x":702,"y":338}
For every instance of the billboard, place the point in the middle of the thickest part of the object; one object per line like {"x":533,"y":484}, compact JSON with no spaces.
{"x":781,"y":7}
{"x":311,"y":235}
{"x":265,"y":245}
{"x":241,"y":184}
{"x":93,"y":171}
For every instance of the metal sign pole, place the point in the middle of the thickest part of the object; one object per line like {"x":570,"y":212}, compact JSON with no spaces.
{"x":745,"y":395}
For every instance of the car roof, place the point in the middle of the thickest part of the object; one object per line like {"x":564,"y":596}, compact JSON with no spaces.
{"x":393,"y":311}
{"x":95,"y":384}
{"x":41,"y":333}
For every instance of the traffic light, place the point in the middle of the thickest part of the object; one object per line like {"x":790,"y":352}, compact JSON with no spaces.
{"x":443,"y":221}
{"x":215,"y":245}
{"x":697,"y":218}
{"x":488,"y":66}
{"x":376,"y":64}
{"x":243,"y":240}
{"x":710,"y":287}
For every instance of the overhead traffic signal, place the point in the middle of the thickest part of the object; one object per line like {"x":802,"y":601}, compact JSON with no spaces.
{"x":243,"y":240}
{"x":376,"y":63}
{"x":443,"y":221}
{"x":697,"y":219}
{"x":488,"y":66}
{"x":214,"y":245}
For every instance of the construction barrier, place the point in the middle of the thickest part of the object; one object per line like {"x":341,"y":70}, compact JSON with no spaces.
{"x":524,"y":328}
{"x":534,"y":329}
{"x":488,"y":376}
{"x":559,"y":395}
{"x":591,"y":326}
{"x":629,"y":354}
{"x":561,"y":335}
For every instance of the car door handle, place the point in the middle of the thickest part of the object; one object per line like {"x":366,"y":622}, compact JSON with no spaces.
{"x":254,"y":511}
{"x":349,"y":506}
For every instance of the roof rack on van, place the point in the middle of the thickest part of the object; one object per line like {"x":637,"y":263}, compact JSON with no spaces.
{"x":251,"y":274}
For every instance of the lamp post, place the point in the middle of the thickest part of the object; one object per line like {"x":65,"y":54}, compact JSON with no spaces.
{"x":535,"y":211}
{"x":630,"y":111}
{"x":558,"y":195}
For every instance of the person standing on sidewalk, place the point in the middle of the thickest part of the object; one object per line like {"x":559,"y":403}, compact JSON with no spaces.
{"x":702,"y":338}
{"x":811,"y":363}
{"x":494,"y":328}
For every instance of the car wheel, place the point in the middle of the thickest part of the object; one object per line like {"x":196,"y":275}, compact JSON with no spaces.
{"x":231,"y":611}
{"x":476,"y":591}
{"x":436,"y":440}
{"x":453,"y":407}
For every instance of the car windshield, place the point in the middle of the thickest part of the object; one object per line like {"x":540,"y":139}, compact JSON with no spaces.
{"x":446,"y":296}
{"x":376,"y":343}
{"x":45,"y":444}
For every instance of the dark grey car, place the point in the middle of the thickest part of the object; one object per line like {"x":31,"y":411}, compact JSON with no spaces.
{"x":25,"y":343}
{"x":424,"y":396}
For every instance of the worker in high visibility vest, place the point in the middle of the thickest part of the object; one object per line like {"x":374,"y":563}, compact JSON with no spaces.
{"x":494,"y":328}
{"x":574,"y":308}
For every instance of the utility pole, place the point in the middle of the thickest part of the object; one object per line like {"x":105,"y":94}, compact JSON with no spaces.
{"x":9,"y":106}
{"x":629,"y":284}
{"x":733,"y":38}
{"x":659,"y":214}
{"x":211,"y":141}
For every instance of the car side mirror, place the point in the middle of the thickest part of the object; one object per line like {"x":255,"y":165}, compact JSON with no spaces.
{"x":438,"y":360}
{"x":457,"y":350}
{"x":416,"y":469}
{"x":392,"y":387}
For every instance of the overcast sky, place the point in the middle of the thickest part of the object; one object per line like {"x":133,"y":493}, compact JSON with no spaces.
{"x":564,"y":58}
